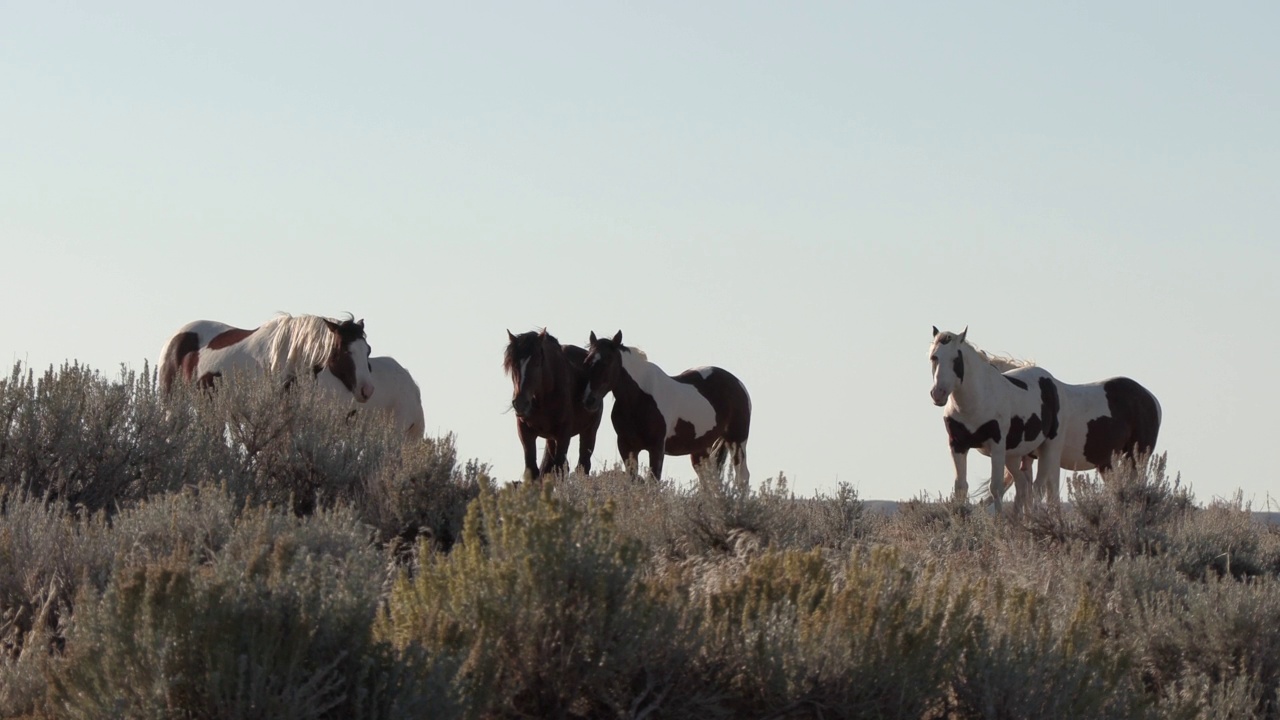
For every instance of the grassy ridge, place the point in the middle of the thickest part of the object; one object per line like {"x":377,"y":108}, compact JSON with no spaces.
{"x":259,"y":555}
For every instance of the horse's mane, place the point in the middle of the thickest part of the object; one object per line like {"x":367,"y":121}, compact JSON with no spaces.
{"x":1003,"y":363}
{"x":522,"y":346}
{"x":637,"y":351}
{"x":299,"y":341}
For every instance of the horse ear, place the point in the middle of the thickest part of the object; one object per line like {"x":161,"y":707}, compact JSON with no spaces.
{"x":510,"y":337}
{"x":361,"y":323}
{"x":964,"y":332}
{"x":593,"y":337}
{"x":618,"y":337}
{"x":935,"y":331}
{"x":543,"y":333}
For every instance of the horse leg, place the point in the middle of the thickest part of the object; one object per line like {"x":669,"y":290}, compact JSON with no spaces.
{"x":529,"y":441}
{"x":1016,"y":467}
{"x":997,"y":474}
{"x":549,"y":454}
{"x":586,"y":446}
{"x":655,"y":462}
{"x":1049,"y":473}
{"x":740,"y":470}
{"x":962,"y":470}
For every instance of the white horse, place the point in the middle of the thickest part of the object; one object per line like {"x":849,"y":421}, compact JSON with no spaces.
{"x":335,"y":352}
{"x":398,"y":396}
{"x":1005,"y":416}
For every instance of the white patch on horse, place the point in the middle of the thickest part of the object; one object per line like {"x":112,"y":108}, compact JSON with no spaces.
{"x":705,"y":371}
{"x":675,"y":400}
{"x":524,"y":364}
{"x":398,"y":396}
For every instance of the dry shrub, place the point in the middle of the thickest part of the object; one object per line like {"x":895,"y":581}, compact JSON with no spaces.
{"x":1132,"y":512}
{"x":793,"y":635}
{"x":546,"y":607}
{"x":275,"y":622}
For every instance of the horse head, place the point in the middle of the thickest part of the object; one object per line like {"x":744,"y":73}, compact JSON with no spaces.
{"x":525,"y":361}
{"x":349,"y":361}
{"x":603,"y":365}
{"x":947,"y":358}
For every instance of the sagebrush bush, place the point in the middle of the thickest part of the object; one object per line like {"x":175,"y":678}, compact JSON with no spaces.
{"x":253,"y":552}
{"x":547,"y":607}
{"x":870,"y":637}
{"x":274,"y":621}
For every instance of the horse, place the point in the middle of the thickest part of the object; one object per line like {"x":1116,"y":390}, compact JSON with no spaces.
{"x":548,"y":380}
{"x":1102,"y":422}
{"x":703,"y":412}
{"x":398,"y":396}
{"x":1005,"y":416}
{"x":335,"y":352}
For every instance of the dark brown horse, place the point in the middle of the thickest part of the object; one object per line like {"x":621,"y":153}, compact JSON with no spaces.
{"x":548,"y":382}
{"x":703,"y":412}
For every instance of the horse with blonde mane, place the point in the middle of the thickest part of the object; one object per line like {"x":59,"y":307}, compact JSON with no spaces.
{"x":335,"y":352}
{"x":1084,"y":427}
{"x":1005,"y":416}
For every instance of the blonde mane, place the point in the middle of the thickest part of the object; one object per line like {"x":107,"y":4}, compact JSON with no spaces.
{"x":301,"y":341}
{"x":1003,"y":363}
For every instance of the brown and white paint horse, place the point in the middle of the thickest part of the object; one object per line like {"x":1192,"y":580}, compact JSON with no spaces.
{"x":548,"y":380}
{"x":1005,"y":416}
{"x":335,"y":352}
{"x":1027,"y":413}
{"x":1102,"y":422}
{"x":702,"y":412}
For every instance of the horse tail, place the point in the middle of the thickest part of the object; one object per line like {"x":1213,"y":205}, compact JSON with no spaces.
{"x":724,"y":449}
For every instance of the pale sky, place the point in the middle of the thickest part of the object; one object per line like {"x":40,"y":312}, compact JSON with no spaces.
{"x":795,"y":192}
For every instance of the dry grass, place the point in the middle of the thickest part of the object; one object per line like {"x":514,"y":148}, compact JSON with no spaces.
{"x":253,"y":554}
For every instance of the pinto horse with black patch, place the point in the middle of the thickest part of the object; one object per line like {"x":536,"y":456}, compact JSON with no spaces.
{"x":1005,"y":416}
{"x":1102,"y":422}
{"x":335,"y":352}
{"x":703,"y":412}
{"x":548,"y":380}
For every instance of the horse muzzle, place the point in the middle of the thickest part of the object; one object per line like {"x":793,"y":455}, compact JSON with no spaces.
{"x":522,"y":406}
{"x":366,"y":392}
{"x":939,"y":396}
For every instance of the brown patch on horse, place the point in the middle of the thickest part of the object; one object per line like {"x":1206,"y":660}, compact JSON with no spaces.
{"x":185,"y":345}
{"x":228,"y":338}
{"x":1130,"y":427}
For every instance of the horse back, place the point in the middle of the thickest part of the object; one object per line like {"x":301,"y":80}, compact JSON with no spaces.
{"x":181,"y":355}
{"x":727,"y":395}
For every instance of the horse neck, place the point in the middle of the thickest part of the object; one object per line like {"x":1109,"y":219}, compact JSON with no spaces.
{"x":557,"y":373}
{"x":643,"y":376}
{"x":974,"y":392}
